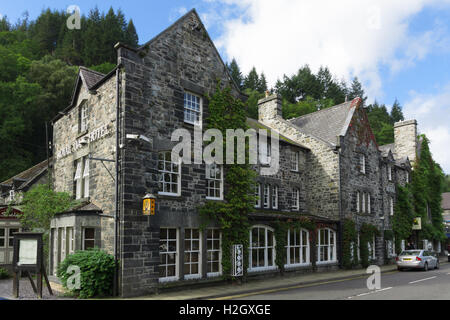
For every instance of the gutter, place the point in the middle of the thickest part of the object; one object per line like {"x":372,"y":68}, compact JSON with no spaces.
{"x":341,"y":220}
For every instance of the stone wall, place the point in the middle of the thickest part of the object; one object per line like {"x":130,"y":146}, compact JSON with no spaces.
{"x":405,"y":133}
{"x":101,"y":112}
{"x":322,"y":169}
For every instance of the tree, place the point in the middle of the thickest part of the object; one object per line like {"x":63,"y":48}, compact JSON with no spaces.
{"x":262,"y":83}
{"x":235,"y":73}
{"x":251,"y":81}
{"x":40,"y":204}
{"x":356,"y":90}
{"x":131,"y":37}
{"x":396,"y":112}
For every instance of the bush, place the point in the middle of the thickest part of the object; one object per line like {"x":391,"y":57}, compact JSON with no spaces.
{"x":4,"y":274}
{"x":96,"y":273}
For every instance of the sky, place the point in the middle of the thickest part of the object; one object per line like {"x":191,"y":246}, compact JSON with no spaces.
{"x":398,"y":49}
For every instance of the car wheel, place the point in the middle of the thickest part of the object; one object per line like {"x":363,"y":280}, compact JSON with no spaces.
{"x":399,"y":269}
{"x":425,"y":267}
{"x":437,"y":264}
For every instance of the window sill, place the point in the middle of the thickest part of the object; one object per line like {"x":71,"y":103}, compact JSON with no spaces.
{"x":299,"y":265}
{"x":192,"y":276}
{"x":261,"y":269}
{"x":324,"y":263}
{"x":214,"y":274}
{"x":214,"y":199}
{"x":169,"y":279}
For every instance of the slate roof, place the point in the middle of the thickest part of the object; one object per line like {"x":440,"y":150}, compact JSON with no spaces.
{"x":90,"y":77}
{"x":28,"y":175}
{"x":327,"y":124}
{"x":446,"y":201}
{"x":255,"y":124}
{"x":385,"y":149}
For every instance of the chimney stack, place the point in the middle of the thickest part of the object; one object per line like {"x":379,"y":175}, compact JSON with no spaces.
{"x":269,"y":108}
{"x":405,"y":138}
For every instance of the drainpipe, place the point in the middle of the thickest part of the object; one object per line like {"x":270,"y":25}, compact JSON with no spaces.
{"x":117,"y":200}
{"x":341,"y":218}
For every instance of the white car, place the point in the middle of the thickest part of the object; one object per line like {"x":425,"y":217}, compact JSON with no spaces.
{"x":417,"y":259}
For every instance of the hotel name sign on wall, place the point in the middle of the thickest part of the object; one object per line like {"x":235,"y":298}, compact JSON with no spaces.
{"x":93,"y":136}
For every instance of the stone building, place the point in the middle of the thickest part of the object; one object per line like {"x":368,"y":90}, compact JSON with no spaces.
{"x":11,"y":195}
{"x":112,"y":146}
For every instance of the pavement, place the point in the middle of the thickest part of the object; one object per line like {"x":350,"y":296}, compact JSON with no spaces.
{"x":265,"y":286}
{"x":220,"y":291}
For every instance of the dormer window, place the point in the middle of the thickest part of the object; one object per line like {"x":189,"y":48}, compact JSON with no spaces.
{"x":83,"y":118}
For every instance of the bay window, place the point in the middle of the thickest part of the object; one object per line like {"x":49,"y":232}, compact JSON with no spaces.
{"x":326,"y":245}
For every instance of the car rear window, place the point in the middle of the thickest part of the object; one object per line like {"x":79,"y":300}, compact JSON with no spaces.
{"x":410,"y":253}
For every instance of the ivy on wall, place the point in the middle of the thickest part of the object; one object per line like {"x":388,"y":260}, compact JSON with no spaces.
{"x":281,"y":235}
{"x":402,"y":220}
{"x":349,"y":244}
{"x":366,"y":234}
{"x":427,"y":178}
{"x":228,"y":112}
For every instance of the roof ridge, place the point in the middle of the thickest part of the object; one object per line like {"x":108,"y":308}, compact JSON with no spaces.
{"x":93,"y":71}
{"x":332,"y":107}
{"x":24,"y":171}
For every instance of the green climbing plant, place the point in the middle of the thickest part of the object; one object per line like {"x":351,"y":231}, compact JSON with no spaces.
{"x":349,"y":244}
{"x":228,"y":112}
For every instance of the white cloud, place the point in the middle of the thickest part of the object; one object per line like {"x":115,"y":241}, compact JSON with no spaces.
{"x":351,"y":37}
{"x":432,"y":112}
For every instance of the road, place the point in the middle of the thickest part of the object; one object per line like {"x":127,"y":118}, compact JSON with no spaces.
{"x":395,"y":285}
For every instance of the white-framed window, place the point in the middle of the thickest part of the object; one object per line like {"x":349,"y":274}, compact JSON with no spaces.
{"x":170,"y":175}
{"x":88,"y":238}
{"x":362,"y":162}
{"x":391,"y":206}
{"x":295,"y":199}
{"x":407,"y":176}
{"x":168,"y":254}
{"x":86,"y":178}
{"x":11,"y":236}
{"x":389,"y":172}
{"x":295,"y":158}
{"x":214,"y":182}
{"x":258,"y":195}
{"x":297,"y":249}
{"x":371,"y":248}
{"x":12,"y":195}
{"x":368,"y":203}
{"x":83,"y":117}
{"x":326,"y":246}
{"x":261,"y":249}
{"x":193,"y":106}
{"x":2,"y":237}
{"x":363,"y":202}
{"x":214,"y":253}
{"x":81,"y":178}
{"x":192,"y":254}
{"x":266,"y":196}
{"x":265,"y":152}
{"x":390,"y":248}
{"x":275,"y":197}
{"x":70,"y":240}
{"x":358,"y":201}
{"x":63,"y":243}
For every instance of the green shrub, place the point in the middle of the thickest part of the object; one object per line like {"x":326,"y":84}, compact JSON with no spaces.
{"x":96,"y":272}
{"x":4,"y":274}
